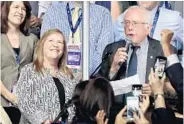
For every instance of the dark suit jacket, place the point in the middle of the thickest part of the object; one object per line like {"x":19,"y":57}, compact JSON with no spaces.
{"x":154,"y":50}
{"x":175,"y":75}
{"x":163,"y":116}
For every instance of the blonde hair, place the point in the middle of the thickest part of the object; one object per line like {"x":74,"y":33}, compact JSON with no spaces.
{"x":38,"y":55}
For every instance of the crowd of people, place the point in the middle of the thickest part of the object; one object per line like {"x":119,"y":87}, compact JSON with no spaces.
{"x":41,"y":83}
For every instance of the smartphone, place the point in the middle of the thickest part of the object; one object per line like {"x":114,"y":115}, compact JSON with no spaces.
{"x":137,"y":89}
{"x":160,"y":65}
{"x":132,"y":106}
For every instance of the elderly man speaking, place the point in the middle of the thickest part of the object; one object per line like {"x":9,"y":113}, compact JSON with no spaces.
{"x":139,"y":56}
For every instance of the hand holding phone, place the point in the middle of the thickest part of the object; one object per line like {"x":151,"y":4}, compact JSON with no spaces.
{"x":159,"y":66}
{"x":144,"y":103}
{"x":157,"y":85}
{"x":120,"y":119}
{"x":132,"y":106}
{"x":140,"y":119}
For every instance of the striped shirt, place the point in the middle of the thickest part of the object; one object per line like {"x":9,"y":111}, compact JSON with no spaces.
{"x":101,"y":28}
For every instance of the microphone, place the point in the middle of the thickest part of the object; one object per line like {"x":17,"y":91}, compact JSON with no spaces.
{"x":104,"y":59}
{"x":128,"y":42}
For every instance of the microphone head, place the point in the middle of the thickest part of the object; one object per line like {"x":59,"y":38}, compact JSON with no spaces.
{"x":128,"y":42}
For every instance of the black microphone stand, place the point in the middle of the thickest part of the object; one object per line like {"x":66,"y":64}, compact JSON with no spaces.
{"x":103,"y":60}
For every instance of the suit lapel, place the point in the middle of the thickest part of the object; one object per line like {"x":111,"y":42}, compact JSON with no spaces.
{"x":150,"y":57}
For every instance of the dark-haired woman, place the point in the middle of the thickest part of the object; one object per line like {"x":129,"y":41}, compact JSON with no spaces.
{"x":96,"y":94}
{"x":17,"y":47}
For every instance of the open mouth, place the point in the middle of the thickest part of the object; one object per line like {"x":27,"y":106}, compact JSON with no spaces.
{"x":130,"y":35}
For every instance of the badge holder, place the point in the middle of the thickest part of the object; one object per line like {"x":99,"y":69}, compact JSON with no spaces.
{"x":74,"y":56}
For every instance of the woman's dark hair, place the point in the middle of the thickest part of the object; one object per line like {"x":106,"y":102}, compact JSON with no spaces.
{"x":97,"y":95}
{"x":5,"y":7}
{"x":79,"y":88}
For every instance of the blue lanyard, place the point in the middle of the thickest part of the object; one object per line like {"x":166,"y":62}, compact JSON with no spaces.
{"x":73,"y":28}
{"x":155,"y":22}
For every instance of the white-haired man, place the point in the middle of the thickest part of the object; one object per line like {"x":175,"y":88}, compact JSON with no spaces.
{"x":161,"y":18}
{"x":142,"y":50}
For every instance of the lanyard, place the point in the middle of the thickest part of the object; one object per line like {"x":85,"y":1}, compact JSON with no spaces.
{"x":155,"y":22}
{"x":72,"y":27}
{"x":166,"y":4}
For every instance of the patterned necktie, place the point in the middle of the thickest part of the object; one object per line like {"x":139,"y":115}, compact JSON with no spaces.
{"x":132,"y":66}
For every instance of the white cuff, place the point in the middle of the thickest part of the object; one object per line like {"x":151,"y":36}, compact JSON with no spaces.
{"x":172,"y":59}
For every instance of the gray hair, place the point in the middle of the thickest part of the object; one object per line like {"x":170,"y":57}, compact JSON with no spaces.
{"x":147,"y":14}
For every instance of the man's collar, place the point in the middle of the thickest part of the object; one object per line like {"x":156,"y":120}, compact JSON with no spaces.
{"x":143,"y":44}
{"x":71,"y":5}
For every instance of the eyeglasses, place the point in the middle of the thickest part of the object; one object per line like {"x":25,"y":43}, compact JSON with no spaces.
{"x":135,"y":24}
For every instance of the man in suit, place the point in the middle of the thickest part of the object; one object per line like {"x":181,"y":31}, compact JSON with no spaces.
{"x":161,"y":18}
{"x":167,"y":19}
{"x":118,"y":65}
{"x":137,"y":28}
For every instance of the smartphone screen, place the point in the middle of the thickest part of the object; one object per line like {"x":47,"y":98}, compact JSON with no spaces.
{"x":159,"y":66}
{"x":137,"y":89}
{"x":132,"y":106}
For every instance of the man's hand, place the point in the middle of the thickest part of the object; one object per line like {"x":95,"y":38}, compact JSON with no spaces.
{"x":141,"y":119}
{"x":145,"y":103}
{"x":119,"y":57}
{"x":157,"y":85}
{"x":166,"y":36}
{"x":119,"y":117}
{"x":146,"y":89}
{"x":100,"y":116}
